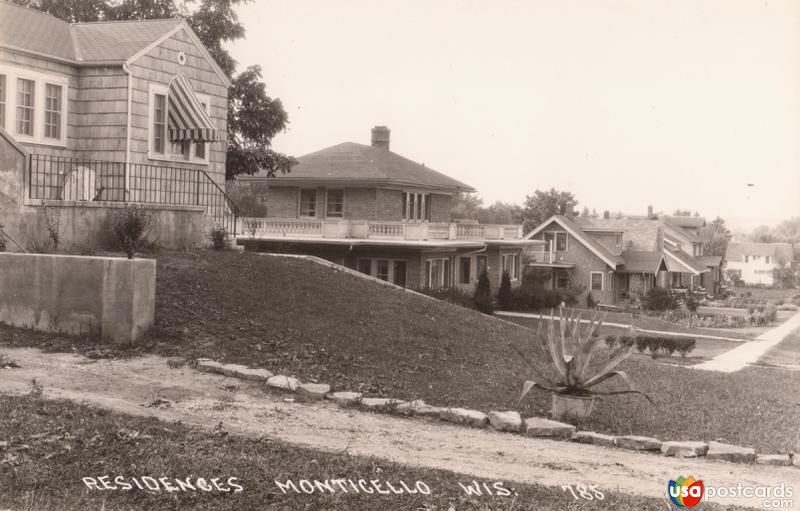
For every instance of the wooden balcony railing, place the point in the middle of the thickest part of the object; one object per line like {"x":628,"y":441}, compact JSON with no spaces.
{"x":363,"y":229}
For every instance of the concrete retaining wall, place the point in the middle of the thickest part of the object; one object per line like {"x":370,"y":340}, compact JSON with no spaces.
{"x":112,"y":298}
{"x":83,"y":223}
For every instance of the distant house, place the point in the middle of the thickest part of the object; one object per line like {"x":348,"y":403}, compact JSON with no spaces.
{"x":373,"y":210}
{"x":107,"y":113}
{"x":755,"y":262}
{"x":613,"y":257}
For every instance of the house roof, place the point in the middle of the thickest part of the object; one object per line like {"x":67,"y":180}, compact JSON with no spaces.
{"x":100,"y":43}
{"x":684,"y":262}
{"x":737,"y":250}
{"x":571,"y":226}
{"x":686,"y":221}
{"x":709,"y":260}
{"x":640,"y":261}
{"x":349,"y":162}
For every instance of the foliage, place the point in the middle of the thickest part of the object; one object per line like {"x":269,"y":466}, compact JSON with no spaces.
{"x":534,"y":299}
{"x":483,"y":294}
{"x":590,"y":303}
{"x":218,"y":236}
{"x":535,"y":278}
{"x":659,"y":299}
{"x":571,"y":294}
{"x":542,"y":205}
{"x":466,"y":205}
{"x":657,"y":346}
{"x":470,"y":206}
{"x":2,"y":239}
{"x":504,"y":293}
{"x":52,"y":223}
{"x":691,"y":301}
{"x":247,"y":200}
{"x":253,"y":117}
{"x":130,"y":225}
{"x":784,"y":276}
{"x":571,"y":350}
{"x":719,"y":236}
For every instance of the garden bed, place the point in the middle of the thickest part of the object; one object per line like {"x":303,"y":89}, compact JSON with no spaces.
{"x":295,"y":317}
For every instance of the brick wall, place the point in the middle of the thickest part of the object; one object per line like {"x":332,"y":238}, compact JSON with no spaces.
{"x":359,"y":203}
{"x":388,"y":205}
{"x":282,"y":202}
{"x":440,"y":207}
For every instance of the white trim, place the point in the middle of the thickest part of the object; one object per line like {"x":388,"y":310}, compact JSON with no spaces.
{"x":327,"y":190}
{"x":429,"y":270}
{"x":183,"y":25}
{"x":390,"y":274}
{"x":602,"y":281}
{"x":40,"y":81}
{"x":555,"y":218}
{"x":673,"y":256}
{"x":515,"y":257}
{"x":168,"y":155}
{"x":300,"y":214}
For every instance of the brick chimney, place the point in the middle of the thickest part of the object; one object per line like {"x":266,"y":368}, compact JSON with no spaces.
{"x":380,"y":137}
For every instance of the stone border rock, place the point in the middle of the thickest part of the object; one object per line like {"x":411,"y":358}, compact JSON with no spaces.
{"x":502,"y":421}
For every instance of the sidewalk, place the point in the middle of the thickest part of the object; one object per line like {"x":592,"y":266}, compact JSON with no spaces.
{"x":750,"y":352}
{"x":623,"y":325}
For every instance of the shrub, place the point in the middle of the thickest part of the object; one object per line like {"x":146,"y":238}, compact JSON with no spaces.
{"x":2,"y":239}
{"x":483,"y":294}
{"x":659,"y":299}
{"x":571,"y":294}
{"x":130,"y":226}
{"x":52,"y":223}
{"x":504,"y":293}
{"x":218,"y":235}
{"x":770,"y":312}
{"x":590,"y":303}
{"x":664,"y":345}
{"x":523,"y":299}
{"x":691,"y":302}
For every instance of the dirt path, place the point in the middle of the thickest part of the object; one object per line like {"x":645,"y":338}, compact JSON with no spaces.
{"x":125,"y":385}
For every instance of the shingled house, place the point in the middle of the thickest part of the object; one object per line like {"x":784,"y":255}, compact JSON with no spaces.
{"x":373,"y":210}
{"x":94,"y":115}
{"x":613,"y":257}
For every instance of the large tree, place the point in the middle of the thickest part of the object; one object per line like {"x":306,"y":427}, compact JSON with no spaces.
{"x":719,"y":236}
{"x":542,"y":205}
{"x":254,"y":118}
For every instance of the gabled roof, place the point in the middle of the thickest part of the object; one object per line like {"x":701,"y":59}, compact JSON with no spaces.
{"x":640,"y":261}
{"x":737,"y":250}
{"x":686,"y":221}
{"x":709,"y":260}
{"x":578,"y":233}
{"x":108,"y":42}
{"x":679,"y":261}
{"x":363,"y":164}
{"x":639,"y":232}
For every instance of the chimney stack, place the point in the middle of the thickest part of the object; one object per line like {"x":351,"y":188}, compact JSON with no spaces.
{"x":380,"y":137}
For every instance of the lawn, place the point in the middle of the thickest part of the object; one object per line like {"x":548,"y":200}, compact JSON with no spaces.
{"x":787,"y":353}
{"x":295,"y":317}
{"x":53,"y":445}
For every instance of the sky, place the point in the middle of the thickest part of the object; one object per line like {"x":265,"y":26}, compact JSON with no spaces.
{"x":627,"y":103}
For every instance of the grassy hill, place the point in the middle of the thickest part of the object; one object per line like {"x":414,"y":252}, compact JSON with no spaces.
{"x":297,"y":317}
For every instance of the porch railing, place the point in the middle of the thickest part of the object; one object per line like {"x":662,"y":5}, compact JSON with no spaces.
{"x":328,"y":228}
{"x":73,"y":179}
{"x":540,"y":256}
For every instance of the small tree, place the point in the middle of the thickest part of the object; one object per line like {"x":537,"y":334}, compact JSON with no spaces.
{"x":130,"y":226}
{"x":504,"y":293}
{"x":784,"y":276}
{"x":483,"y":294}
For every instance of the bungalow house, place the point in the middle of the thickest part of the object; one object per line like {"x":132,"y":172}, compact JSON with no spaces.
{"x":375,"y":211}
{"x":613,"y":257}
{"x":755,"y":262}
{"x":95,"y":115}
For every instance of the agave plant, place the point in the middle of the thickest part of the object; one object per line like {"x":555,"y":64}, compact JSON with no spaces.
{"x":571,"y":350}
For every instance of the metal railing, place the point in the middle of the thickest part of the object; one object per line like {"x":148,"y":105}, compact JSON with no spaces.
{"x":74,"y":179}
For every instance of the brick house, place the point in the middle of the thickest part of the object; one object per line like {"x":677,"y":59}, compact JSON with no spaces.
{"x":755,"y":262}
{"x":611,"y":258}
{"x":373,"y":210}
{"x":94,"y":115}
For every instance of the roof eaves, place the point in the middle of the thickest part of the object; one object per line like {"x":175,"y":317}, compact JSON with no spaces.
{"x":578,"y":233}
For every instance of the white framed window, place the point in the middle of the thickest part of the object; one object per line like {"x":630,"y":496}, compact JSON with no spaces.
{"x":159,"y":146}
{"x":33,"y":105}
{"x":308,"y":202}
{"x":561,"y":279}
{"x":437,"y":272}
{"x":596,"y":281}
{"x":464,"y":270}
{"x":509,"y":263}
{"x":390,"y":270}
{"x":416,"y":206}
{"x":334,"y":203}
{"x":557,"y":240}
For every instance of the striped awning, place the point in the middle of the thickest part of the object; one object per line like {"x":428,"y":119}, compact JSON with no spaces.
{"x":188,"y":120}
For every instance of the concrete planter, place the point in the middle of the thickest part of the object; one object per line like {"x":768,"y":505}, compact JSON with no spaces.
{"x":107,"y":297}
{"x":571,"y":407}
